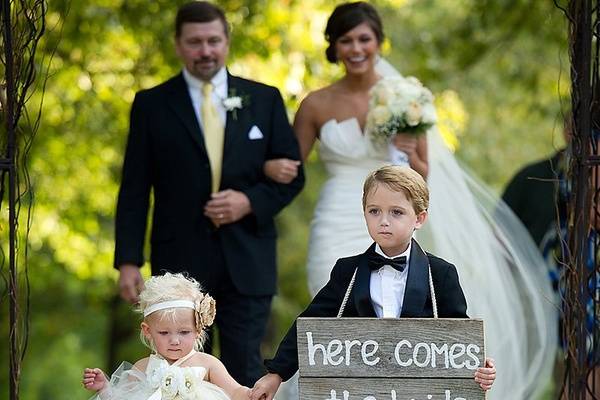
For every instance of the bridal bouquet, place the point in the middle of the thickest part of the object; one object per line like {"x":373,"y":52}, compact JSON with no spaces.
{"x":399,"y":105}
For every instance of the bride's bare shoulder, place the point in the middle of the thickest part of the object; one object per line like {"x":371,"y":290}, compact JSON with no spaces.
{"x":324,"y":95}
{"x":319,"y":101}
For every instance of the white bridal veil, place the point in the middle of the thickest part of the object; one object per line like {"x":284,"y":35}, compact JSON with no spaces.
{"x":502,"y":273}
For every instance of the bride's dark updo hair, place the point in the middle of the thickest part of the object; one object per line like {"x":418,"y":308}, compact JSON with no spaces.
{"x":346,"y":17}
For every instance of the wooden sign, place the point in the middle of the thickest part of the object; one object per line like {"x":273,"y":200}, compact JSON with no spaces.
{"x":389,"y":359}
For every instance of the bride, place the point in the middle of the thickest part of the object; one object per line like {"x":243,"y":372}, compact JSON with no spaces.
{"x":502,"y":274}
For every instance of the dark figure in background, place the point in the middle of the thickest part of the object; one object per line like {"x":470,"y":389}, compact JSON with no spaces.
{"x":199,"y":142}
{"x":532,"y":192}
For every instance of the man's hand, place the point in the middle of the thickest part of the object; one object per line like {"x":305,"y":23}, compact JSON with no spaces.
{"x":227,"y":206}
{"x":281,"y":170}
{"x":266,"y":387}
{"x":94,"y":379}
{"x":485,"y":376}
{"x":131,"y":282}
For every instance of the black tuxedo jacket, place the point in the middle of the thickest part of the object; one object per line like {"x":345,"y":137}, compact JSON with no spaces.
{"x":417,"y":303}
{"x":166,"y":154}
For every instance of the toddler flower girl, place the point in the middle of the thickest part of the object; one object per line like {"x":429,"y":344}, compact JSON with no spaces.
{"x":176,"y":313}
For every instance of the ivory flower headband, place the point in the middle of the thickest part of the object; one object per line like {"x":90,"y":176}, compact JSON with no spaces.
{"x":204,"y":306}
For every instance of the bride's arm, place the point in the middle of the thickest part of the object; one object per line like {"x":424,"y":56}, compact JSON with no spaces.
{"x":284,"y":170}
{"x":305,"y":127}
{"x":416,"y":150}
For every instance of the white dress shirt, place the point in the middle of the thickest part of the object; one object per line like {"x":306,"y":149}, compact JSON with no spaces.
{"x":388,"y":286}
{"x":219,"y":93}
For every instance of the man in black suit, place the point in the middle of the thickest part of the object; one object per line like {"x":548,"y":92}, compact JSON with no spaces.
{"x":199,"y":142}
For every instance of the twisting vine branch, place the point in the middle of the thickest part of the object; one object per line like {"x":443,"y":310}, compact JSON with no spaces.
{"x":22,"y":25}
{"x":581,"y":272}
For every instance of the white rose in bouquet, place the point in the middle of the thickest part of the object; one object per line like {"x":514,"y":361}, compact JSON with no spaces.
{"x":429,"y":116}
{"x":414,"y":114}
{"x":380,"y":114}
{"x":399,"y":105}
{"x":383,"y":95}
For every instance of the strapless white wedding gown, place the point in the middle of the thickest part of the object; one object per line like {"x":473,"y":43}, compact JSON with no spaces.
{"x":338,"y":228}
{"x":501,"y":272}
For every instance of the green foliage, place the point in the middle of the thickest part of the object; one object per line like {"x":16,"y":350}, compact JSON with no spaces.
{"x":510,"y":81}
{"x":498,"y":88}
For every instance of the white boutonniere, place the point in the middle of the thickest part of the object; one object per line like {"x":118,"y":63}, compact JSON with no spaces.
{"x":233,"y":102}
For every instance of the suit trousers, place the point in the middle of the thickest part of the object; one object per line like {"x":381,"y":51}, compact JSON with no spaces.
{"x":241,"y":321}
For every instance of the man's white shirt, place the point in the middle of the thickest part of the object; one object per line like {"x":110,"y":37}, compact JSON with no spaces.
{"x":219,"y":93}
{"x":388,"y":286}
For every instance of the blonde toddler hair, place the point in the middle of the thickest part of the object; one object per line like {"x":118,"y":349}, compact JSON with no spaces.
{"x":170,"y":287}
{"x":399,"y":179}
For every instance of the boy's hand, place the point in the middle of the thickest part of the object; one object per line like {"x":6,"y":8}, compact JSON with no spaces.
{"x":485,"y":376}
{"x":94,"y":379}
{"x":265,"y":387}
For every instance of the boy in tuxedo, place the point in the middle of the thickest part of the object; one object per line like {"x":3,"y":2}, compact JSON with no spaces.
{"x":391,"y":279}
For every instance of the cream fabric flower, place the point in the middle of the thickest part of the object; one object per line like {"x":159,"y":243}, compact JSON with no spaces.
{"x":187,"y":386}
{"x":171,"y":382}
{"x":155,"y":377}
{"x":205,"y":311}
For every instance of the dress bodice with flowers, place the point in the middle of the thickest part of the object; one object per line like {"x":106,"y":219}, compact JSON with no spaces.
{"x":161,"y":381}
{"x":175,"y":381}
{"x":157,"y":365}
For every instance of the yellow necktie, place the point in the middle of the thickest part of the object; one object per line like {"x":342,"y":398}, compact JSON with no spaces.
{"x":213,"y":135}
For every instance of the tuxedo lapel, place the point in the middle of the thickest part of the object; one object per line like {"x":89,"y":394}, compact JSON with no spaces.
{"x":417,"y":283}
{"x":237,"y":120}
{"x":362,"y":286}
{"x":181,"y":104}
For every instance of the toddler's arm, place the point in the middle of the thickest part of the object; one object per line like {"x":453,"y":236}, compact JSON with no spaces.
{"x":218,"y":375}
{"x":266,"y":387}
{"x":94,"y":379}
{"x":241,"y":393}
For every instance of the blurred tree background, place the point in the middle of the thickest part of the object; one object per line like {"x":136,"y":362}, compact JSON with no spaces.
{"x":499,"y":69}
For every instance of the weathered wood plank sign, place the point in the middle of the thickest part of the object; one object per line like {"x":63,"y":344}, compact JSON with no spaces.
{"x":389,"y":359}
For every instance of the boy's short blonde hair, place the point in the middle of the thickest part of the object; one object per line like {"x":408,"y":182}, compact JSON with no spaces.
{"x":399,"y":179}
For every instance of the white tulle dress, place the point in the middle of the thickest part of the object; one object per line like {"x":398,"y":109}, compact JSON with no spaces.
{"x":160,"y":381}
{"x":501,"y":271}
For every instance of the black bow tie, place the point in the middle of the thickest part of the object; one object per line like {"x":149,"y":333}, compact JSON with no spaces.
{"x":377,"y":261}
